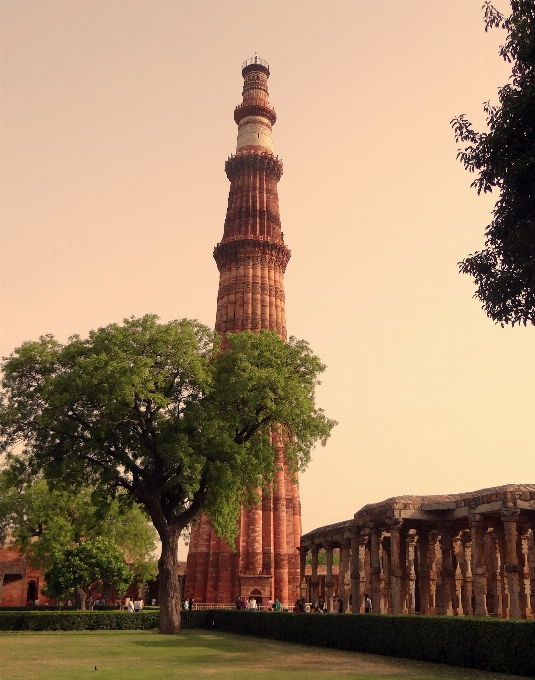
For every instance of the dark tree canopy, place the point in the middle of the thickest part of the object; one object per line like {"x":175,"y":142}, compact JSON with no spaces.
{"x":155,"y":410}
{"x":504,"y":158}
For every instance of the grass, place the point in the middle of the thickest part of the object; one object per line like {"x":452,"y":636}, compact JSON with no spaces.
{"x":196,"y":654}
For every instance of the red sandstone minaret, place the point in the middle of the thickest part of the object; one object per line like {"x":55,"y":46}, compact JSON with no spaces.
{"x":252,"y":259}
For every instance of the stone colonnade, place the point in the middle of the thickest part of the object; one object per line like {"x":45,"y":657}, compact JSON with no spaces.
{"x":458,"y":555}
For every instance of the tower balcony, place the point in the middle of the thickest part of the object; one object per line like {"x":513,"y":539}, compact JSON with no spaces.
{"x":256,"y":107}
{"x":254,"y":64}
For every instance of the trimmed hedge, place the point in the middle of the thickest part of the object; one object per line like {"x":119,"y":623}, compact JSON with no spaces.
{"x":198,"y":618}
{"x":40,"y":608}
{"x":501,"y":645}
{"x":105,"y":607}
{"x":95,"y":620}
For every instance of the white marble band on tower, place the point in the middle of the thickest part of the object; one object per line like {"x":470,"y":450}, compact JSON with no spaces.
{"x":254,"y":131}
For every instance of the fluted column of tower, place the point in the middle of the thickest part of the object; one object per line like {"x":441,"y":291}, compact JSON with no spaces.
{"x":252,"y":258}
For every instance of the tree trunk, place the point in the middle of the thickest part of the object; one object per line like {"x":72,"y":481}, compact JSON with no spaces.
{"x":79,"y":598}
{"x":169,"y":583}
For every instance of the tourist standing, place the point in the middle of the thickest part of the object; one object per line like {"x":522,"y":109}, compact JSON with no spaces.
{"x":238,"y":603}
{"x":277,"y":605}
{"x":368,"y":607}
{"x":269,"y":605}
{"x":253,"y":605}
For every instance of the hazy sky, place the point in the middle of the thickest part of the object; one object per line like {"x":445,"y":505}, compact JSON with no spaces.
{"x":117,"y":118}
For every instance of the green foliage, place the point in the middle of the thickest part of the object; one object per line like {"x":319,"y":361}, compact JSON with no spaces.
{"x":322,"y":557}
{"x":61,"y":518}
{"x":504,"y":158}
{"x":95,"y":561}
{"x":95,"y":620}
{"x":488,"y":644}
{"x":155,"y":410}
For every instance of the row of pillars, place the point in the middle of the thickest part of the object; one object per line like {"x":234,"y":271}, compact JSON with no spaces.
{"x":400,"y":568}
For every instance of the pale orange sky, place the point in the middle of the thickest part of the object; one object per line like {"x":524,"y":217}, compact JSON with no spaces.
{"x":116,"y":122}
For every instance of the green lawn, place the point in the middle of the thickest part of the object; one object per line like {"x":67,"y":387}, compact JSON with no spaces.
{"x":196,"y":654}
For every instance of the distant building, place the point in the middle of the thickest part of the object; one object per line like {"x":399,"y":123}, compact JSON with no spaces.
{"x":19,"y":584}
{"x":457,"y":555}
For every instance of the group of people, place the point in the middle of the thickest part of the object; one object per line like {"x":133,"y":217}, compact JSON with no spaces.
{"x":338,"y":605}
{"x":251,"y":604}
{"x":188,"y":604}
{"x":134,"y":606}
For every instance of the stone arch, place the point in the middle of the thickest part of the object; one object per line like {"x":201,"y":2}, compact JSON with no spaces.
{"x":257,"y":594}
{"x":32,"y":592}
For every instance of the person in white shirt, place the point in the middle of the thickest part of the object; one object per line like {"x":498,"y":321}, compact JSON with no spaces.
{"x":253,"y":606}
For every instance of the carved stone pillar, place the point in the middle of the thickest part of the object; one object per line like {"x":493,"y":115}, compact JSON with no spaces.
{"x":395,"y":568}
{"x":468,"y":576}
{"x":329,"y":585}
{"x":375,"y":563}
{"x":345,"y":576}
{"x":497,"y":576}
{"x":432,"y":557}
{"x":458,"y":576}
{"x":512,"y":568}
{"x":446,"y":572}
{"x":411,"y":571}
{"x":386,"y":599}
{"x":423,"y":569}
{"x":359,"y":606}
{"x":478,"y":529}
{"x":525,"y":599}
{"x":354,"y":571}
{"x":303,"y":550}
{"x":314,"y":582}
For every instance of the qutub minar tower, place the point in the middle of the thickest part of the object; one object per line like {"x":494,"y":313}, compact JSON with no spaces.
{"x":251,"y":258}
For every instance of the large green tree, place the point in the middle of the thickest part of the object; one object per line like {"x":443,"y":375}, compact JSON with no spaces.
{"x":155,"y":409}
{"x":504,"y":159}
{"x":63,"y":518}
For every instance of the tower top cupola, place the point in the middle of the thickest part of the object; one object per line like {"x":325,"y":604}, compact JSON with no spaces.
{"x":255,"y":116}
